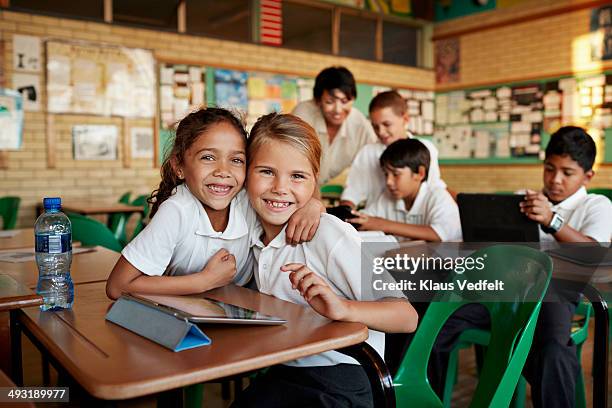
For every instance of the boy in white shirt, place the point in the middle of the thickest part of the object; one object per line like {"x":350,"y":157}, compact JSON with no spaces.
{"x":389,"y":117}
{"x":411,"y":207}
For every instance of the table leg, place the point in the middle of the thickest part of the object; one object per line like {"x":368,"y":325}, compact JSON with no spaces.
{"x":377,"y":371}
{"x":15,"y":333}
{"x":600,"y":347}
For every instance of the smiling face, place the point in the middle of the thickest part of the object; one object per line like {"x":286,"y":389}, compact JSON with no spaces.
{"x":388,"y":125}
{"x":403,"y":183}
{"x":280,"y":181}
{"x":214,"y":168}
{"x":335,"y":107}
{"x":563,"y":176}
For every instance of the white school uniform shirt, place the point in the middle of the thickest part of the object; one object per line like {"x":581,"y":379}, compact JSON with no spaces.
{"x":335,"y":255}
{"x":366,"y":180}
{"x":355,"y":132}
{"x":590,"y":214}
{"x":180,"y":239}
{"x":432,"y":206}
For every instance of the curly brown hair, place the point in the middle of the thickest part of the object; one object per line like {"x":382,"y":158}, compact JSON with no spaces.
{"x":187,"y":132}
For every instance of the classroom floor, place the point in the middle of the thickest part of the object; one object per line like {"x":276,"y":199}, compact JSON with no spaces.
{"x":463,"y":391}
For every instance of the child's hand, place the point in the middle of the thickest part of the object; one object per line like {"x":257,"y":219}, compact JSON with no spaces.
{"x":366,"y":222}
{"x":303,"y":224}
{"x":220,"y":269}
{"x":316,"y":292}
{"x":537,"y":207}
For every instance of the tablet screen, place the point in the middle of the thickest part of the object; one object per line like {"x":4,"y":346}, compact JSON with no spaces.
{"x":202,"y":310}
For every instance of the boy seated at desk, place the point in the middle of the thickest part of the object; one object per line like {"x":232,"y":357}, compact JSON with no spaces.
{"x":410,"y":207}
{"x":366,"y":181}
{"x":566,"y":213}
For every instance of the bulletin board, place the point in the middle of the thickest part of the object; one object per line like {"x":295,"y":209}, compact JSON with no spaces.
{"x":96,"y":79}
{"x":512,"y":123}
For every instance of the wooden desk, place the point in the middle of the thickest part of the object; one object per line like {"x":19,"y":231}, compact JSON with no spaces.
{"x":86,"y":267}
{"x":24,"y":238}
{"x":6,"y":382}
{"x":13,"y":295}
{"x":113,"y":363}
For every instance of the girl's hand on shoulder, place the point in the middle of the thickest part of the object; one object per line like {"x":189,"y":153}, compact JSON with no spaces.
{"x":303,"y":224}
{"x":220,"y":270}
{"x":366,"y":222}
{"x":316,"y":292}
{"x":537,"y":207}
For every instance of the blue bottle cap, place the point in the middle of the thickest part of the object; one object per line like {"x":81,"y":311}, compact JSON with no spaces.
{"x":52,"y":203}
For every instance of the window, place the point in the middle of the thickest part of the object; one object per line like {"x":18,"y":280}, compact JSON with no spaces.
{"x":400,"y":44}
{"x":357,"y":37}
{"x":307,"y":28}
{"x":160,"y":14}
{"x":90,"y":9}
{"x":227,"y":19}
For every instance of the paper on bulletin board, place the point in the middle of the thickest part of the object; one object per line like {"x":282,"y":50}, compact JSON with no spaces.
{"x":142,"y":142}
{"x":100,"y":80}
{"x":26,"y":53}
{"x":11,"y":119}
{"x":231,"y":89}
{"x":29,"y":87}
{"x":95,"y":142}
{"x":182,"y":90}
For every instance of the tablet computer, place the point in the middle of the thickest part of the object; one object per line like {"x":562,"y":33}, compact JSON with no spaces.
{"x":495,"y":218}
{"x":202,"y":310}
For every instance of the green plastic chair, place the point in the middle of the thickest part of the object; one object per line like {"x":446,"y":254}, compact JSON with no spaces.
{"x":603,"y":191}
{"x":480,"y":339}
{"x":9,"y":207}
{"x":141,"y":200}
{"x":331,"y":193}
{"x":118,"y":222}
{"x":526,"y":273}
{"x":90,"y":232}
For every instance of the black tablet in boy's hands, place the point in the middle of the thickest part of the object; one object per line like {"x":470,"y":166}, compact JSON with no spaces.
{"x":342,"y":211}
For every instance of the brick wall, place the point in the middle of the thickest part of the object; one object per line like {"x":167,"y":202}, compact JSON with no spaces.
{"x":551,"y":46}
{"x":27,"y":174}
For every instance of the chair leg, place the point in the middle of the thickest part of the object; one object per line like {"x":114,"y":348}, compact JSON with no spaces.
{"x":194,"y":395}
{"x":451,"y":377}
{"x":580,"y":391}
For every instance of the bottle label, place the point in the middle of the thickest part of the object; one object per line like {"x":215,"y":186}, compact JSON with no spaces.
{"x":54,"y":244}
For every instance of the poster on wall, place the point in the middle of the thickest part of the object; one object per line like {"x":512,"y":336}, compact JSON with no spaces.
{"x":141,"y":142}
{"x":100,"y":80}
{"x":181,"y":90}
{"x":601,"y":33}
{"x":270,"y":93}
{"x":11,"y":119}
{"x":447,"y":57}
{"x":231,"y":89}
{"x":26,"y":53}
{"x":28,"y":85}
{"x":94,"y":142}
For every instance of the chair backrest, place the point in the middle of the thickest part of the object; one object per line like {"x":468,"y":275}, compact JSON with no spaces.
{"x":118,"y":221}
{"x":526,"y":274}
{"x":9,"y":208}
{"x":90,"y":232}
{"x":603,"y":191}
{"x":141,"y":200}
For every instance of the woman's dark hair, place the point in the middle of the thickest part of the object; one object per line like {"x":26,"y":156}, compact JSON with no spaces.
{"x":188,"y":130}
{"x":410,"y":153}
{"x":335,"y":78}
{"x":574,"y":142}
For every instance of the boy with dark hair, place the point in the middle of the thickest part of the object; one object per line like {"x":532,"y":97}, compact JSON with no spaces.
{"x":410,"y":208}
{"x":389,"y":117}
{"x":566,"y":213}
{"x":342,"y":130}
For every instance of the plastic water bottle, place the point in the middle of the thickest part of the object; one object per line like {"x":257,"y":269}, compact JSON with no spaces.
{"x":53,"y":235}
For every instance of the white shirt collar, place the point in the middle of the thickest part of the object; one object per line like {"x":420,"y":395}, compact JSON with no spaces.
{"x":573,"y":201}
{"x":236,"y":226}
{"x":258,"y":232}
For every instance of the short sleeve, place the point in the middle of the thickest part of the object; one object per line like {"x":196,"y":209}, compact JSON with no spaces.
{"x":151,"y":251}
{"x":433,"y":177}
{"x":361,"y":180}
{"x":443,"y":215}
{"x":597,"y":222}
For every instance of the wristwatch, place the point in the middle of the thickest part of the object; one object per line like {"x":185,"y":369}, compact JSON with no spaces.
{"x":555,"y":224}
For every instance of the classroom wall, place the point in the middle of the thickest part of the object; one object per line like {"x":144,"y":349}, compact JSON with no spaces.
{"x":554,"y":45}
{"x":27,"y":174}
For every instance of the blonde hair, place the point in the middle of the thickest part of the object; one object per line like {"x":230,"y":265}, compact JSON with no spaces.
{"x":287,"y":129}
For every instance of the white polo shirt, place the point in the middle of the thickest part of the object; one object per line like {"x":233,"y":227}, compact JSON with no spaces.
{"x":432,"y":206}
{"x":335,"y":255}
{"x":180,"y":239}
{"x":591,"y":214}
{"x":366,"y":180}
{"x":355,"y":132}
